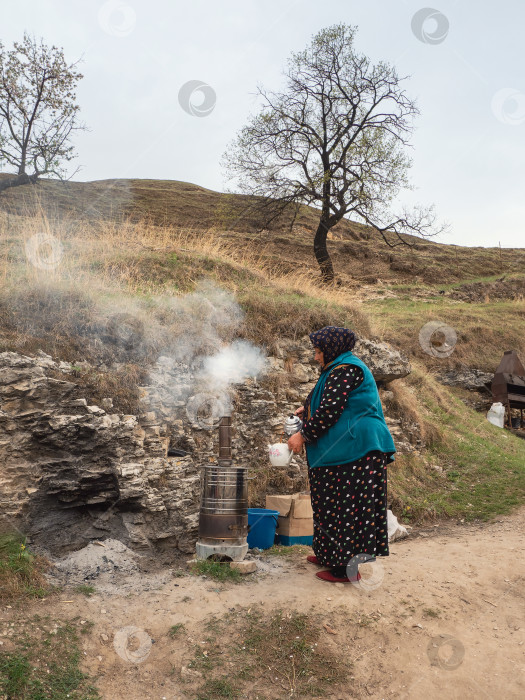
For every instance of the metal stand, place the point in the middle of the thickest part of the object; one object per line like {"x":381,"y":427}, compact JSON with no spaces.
{"x":235,"y":552}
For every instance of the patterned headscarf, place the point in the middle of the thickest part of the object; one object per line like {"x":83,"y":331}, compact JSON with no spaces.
{"x":332,"y":341}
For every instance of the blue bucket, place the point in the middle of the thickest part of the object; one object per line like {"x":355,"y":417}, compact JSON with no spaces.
{"x":262,"y":523}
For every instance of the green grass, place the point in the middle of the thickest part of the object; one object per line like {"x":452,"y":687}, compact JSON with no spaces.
{"x":279,"y":653}
{"x":15,"y":556}
{"x":488,"y":476}
{"x":43,"y":661}
{"x":486,"y":279}
{"x":220,"y":571}
{"x":217,"y":688}
{"x":483,"y":331}
{"x":85,"y":590}
{"x":167,"y":272}
{"x":433,"y":289}
{"x":482,"y":467}
{"x":20,"y":570}
{"x":175,"y":629}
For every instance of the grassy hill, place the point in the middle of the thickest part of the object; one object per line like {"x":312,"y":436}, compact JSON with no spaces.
{"x":359,"y":253}
{"x":132,"y":245}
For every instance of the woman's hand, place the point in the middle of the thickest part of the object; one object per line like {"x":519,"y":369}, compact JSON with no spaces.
{"x":295,"y":443}
{"x":299,"y":411}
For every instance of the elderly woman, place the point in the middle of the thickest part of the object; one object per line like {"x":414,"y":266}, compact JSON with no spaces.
{"x":348,"y":446}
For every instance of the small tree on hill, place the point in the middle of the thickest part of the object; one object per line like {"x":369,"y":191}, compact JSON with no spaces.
{"x":334,"y":138}
{"x":37,"y":111}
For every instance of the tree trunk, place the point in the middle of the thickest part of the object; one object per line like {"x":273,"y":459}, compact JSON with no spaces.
{"x":23,"y":179}
{"x":321,"y":252}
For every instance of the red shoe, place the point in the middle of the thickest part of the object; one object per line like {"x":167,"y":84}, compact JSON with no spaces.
{"x":313,"y":560}
{"x":328,"y":576}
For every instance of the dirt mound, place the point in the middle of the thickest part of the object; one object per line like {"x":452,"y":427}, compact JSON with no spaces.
{"x":500,"y":290}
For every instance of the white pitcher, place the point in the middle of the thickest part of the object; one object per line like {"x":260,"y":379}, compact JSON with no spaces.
{"x":280,"y":455}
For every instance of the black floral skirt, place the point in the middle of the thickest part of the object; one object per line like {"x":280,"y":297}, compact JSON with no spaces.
{"x":349,"y":503}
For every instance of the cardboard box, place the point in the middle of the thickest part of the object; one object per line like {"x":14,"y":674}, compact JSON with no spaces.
{"x":296,"y":522}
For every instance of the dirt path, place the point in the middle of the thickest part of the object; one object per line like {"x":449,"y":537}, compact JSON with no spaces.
{"x":443,"y":616}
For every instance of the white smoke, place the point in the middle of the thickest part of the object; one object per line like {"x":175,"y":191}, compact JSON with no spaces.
{"x":202,"y":321}
{"x":204,"y":358}
{"x":233,"y":364}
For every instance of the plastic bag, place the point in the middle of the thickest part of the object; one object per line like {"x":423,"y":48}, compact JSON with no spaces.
{"x":396,"y":531}
{"x":496,"y":414}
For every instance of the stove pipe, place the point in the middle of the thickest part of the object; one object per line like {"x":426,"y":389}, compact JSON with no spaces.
{"x":225,"y":442}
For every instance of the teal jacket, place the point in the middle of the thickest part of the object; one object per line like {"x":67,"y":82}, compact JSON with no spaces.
{"x":360,"y":429}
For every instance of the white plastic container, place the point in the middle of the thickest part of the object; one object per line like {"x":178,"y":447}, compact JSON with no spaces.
{"x":496,"y":414}
{"x":280,"y":455}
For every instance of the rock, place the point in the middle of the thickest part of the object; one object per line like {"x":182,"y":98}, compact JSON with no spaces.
{"x":300,"y":373}
{"x":482,"y":292}
{"x":244,"y":567}
{"x":72,"y":471}
{"x":186,"y":672}
{"x":65,"y":478}
{"x":385,"y":362}
{"x":96,"y":410}
{"x":471,"y":379}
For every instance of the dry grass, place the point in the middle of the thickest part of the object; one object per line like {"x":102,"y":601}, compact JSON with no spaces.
{"x":119,"y":294}
{"x":272,"y":654}
{"x":108,"y":268}
{"x":406,"y":406}
{"x":359,"y":253}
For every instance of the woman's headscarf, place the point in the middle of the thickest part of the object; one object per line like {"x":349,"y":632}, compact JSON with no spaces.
{"x":332,"y":341}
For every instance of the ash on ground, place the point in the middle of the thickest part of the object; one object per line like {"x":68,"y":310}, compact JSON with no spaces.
{"x":110,"y":567}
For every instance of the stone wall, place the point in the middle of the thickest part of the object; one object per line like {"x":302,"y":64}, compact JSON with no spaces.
{"x":73,"y":471}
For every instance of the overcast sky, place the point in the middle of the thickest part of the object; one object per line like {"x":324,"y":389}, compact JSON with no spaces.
{"x":465,"y":60}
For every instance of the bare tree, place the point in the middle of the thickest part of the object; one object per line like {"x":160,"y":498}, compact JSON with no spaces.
{"x":37,"y":111}
{"x":334,"y":138}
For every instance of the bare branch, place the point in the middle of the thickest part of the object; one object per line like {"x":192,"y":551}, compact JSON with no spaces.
{"x":335,"y":137}
{"x":38,"y":114}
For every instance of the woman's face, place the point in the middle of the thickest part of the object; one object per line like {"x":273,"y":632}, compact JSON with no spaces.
{"x":319,"y":356}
